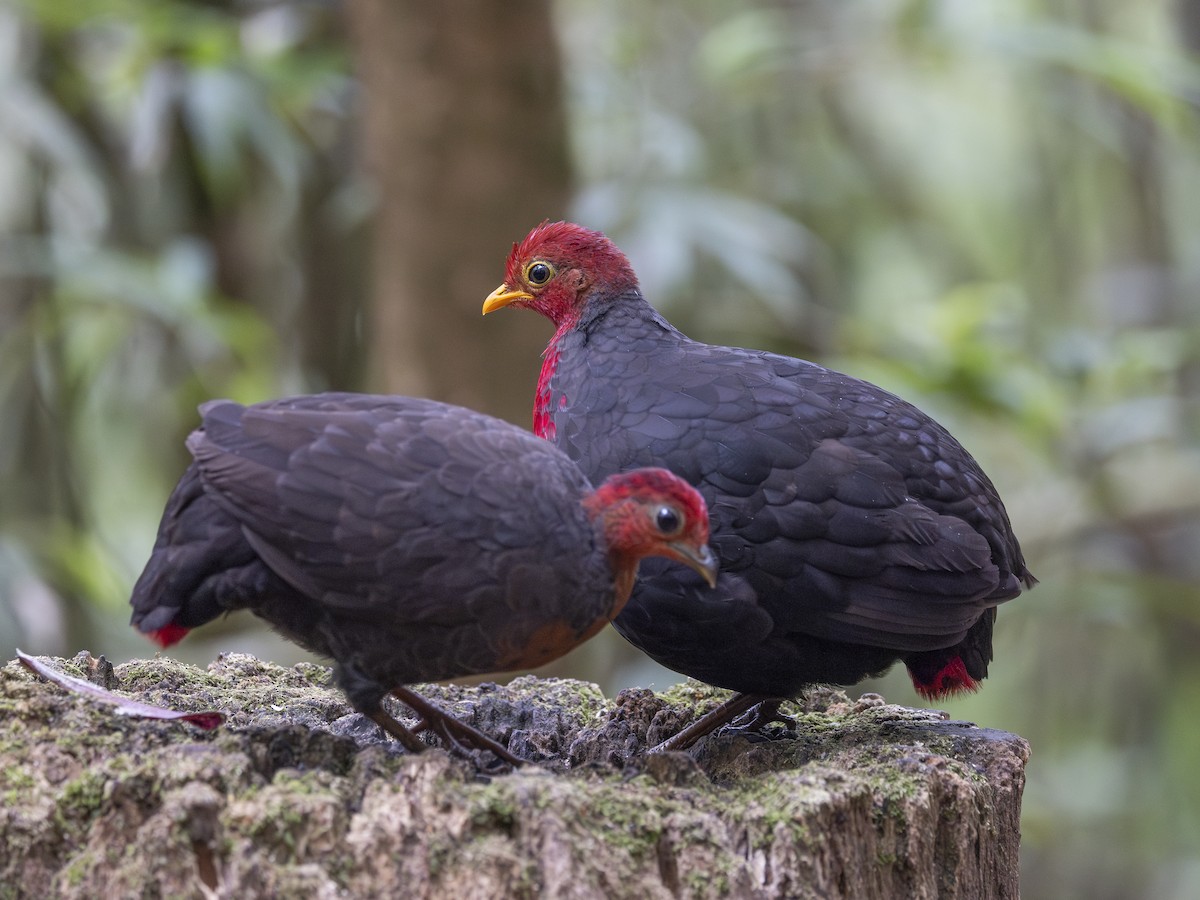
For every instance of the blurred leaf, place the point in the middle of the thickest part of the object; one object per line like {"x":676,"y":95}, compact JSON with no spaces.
{"x":761,"y":248}
{"x":988,"y":207}
{"x":1156,"y":79}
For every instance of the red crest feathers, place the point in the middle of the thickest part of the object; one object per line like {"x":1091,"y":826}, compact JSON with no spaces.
{"x":568,"y":245}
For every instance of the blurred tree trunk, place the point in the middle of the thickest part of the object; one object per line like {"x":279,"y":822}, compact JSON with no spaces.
{"x":465,"y":136}
{"x":335,"y":284}
{"x":1188,"y":18}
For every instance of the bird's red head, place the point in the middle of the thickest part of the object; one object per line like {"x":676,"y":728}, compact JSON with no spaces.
{"x":557,"y":269}
{"x":651,"y":512}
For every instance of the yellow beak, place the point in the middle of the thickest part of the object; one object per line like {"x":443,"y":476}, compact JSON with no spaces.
{"x":501,"y":297}
{"x":701,"y":558}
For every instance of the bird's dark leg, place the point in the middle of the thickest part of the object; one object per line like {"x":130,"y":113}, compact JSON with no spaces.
{"x":726,"y":712}
{"x":410,"y":741}
{"x":452,"y":731}
{"x":366,"y":695}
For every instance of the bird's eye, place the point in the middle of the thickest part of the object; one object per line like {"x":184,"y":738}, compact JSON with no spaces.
{"x":538,"y":273}
{"x":667,"y":520}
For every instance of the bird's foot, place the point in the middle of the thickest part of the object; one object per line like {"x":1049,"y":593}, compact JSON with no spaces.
{"x":458,"y":736}
{"x":725,"y":713}
{"x":756,"y":724}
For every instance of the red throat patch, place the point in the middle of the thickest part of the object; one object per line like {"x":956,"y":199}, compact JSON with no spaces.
{"x":543,"y":415}
{"x":168,"y":635}
{"x":951,"y":679}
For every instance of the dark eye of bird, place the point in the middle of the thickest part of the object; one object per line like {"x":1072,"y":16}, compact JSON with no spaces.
{"x":539,"y":273}
{"x":667,"y":520}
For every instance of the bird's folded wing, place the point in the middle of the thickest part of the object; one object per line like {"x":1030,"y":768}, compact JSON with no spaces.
{"x":354,"y":500}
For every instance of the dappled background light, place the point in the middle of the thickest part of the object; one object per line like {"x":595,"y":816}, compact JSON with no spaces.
{"x":991,"y":208}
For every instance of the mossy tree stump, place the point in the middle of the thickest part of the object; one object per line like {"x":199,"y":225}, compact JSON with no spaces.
{"x":298,"y":796}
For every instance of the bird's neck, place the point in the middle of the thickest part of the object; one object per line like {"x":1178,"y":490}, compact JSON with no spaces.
{"x":628,"y":312}
{"x":624,"y":575}
{"x":610,"y":518}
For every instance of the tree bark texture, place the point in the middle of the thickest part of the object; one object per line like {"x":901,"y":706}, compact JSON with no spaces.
{"x":465,"y":137}
{"x":297,"y":795}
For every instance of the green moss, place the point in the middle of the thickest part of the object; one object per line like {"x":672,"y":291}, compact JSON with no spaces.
{"x":79,"y":800}
{"x":274,"y":832}
{"x":710,"y":882}
{"x":618,"y":826}
{"x":298,"y":783}
{"x":16,"y":778}
{"x":627,"y":818}
{"x":163,"y":673}
{"x":771,"y":810}
{"x":103,"y":741}
{"x":439,"y":853}
{"x":694,"y":696}
{"x":76,"y":870}
{"x":495,"y":810}
{"x":321,"y":676}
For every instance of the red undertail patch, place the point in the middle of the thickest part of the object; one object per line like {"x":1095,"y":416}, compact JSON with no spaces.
{"x":168,"y":635}
{"x":951,"y":679}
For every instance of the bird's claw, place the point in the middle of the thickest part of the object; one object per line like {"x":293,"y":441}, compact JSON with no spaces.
{"x":756,"y":724}
{"x":458,"y":737}
{"x":709,"y":722}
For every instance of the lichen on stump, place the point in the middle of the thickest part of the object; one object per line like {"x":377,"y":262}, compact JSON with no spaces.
{"x":298,"y":795}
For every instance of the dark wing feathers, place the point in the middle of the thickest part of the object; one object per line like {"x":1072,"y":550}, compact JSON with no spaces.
{"x":356,"y":501}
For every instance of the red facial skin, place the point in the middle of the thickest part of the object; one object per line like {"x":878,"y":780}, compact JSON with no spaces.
{"x":628,"y":506}
{"x":582,"y":259}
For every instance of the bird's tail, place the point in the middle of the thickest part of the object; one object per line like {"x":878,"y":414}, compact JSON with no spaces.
{"x":200,"y":567}
{"x":954,"y":670}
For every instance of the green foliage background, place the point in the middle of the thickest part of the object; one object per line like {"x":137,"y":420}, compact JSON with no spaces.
{"x":990,"y":207}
